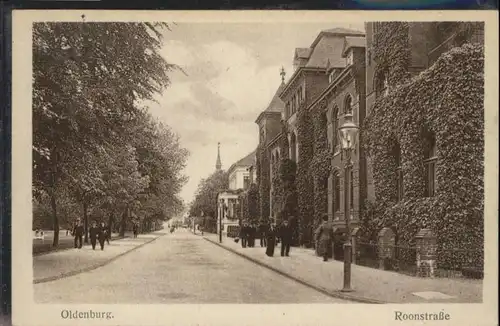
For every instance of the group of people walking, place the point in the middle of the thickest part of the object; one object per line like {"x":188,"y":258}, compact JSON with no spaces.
{"x":270,"y":235}
{"x":97,"y":233}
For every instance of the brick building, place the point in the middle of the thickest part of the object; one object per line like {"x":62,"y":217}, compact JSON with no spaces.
{"x":338,"y":74}
{"x":425,"y":43}
{"x":424,"y":101}
{"x":329,"y":73}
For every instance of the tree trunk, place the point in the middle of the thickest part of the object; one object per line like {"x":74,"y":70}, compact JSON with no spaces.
{"x":53,"y":204}
{"x":110,"y":224}
{"x":85,"y":222}
{"x":123,"y":223}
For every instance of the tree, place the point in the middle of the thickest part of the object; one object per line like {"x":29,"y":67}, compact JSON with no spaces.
{"x":206,"y":196}
{"x":88,"y":79}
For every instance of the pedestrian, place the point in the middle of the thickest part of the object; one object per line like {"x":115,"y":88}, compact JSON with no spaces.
{"x":263,"y":228}
{"x":78,"y":233}
{"x":251,"y":235}
{"x":135,"y":230}
{"x":244,"y":234}
{"x":271,"y":240}
{"x":94,"y":234}
{"x":103,"y":235}
{"x":324,"y":237}
{"x":108,"y":233}
{"x":285,"y":234}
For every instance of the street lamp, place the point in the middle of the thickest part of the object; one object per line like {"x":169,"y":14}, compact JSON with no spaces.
{"x":348,"y":133}
{"x":220,"y":219}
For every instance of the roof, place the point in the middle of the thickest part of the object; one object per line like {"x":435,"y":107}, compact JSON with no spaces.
{"x":353,"y":42}
{"x":245,"y":161}
{"x":341,"y":30}
{"x":328,"y":46}
{"x":302,"y":53}
{"x":276,"y":104}
{"x":326,"y":52}
{"x":327,"y":49}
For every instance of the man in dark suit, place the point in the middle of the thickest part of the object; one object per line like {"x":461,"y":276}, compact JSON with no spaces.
{"x":285,"y":234}
{"x":263,"y":227}
{"x":94,"y":234}
{"x":78,"y":233}
{"x":244,"y":234}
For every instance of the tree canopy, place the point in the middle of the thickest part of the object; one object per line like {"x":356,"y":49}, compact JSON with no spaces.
{"x":94,"y":143}
{"x":206,"y":195}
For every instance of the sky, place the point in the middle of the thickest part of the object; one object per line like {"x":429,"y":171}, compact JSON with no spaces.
{"x":230,"y":73}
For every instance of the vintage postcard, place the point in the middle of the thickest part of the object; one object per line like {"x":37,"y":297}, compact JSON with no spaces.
{"x":254,"y":168}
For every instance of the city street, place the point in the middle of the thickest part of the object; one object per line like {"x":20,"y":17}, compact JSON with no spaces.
{"x":179,"y":268}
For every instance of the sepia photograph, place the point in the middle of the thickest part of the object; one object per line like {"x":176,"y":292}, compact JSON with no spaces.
{"x":210,"y":162}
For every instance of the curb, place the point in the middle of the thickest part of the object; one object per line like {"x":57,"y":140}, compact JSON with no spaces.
{"x":334,"y":294}
{"x":92,"y":267}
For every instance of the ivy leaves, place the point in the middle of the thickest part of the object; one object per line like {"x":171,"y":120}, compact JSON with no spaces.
{"x":447,"y":100}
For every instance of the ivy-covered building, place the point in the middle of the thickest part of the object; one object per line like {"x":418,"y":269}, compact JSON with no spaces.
{"x":294,"y":161}
{"x":269,"y":152}
{"x":424,"y":133}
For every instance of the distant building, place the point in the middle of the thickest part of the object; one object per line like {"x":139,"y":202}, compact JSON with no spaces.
{"x":239,"y":173}
{"x":229,"y":202}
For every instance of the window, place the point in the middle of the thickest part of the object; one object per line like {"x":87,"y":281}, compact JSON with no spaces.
{"x":351,"y":198}
{"x":293,"y":147}
{"x":399,"y":171}
{"x":381,"y":84}
{"x":350,"y":58}
{"x":375,"y":28}
{"x":246,"y":182}
{"x":348,"y":105}
{"x":335,"y":128}
{"x":430,"y":165}
{"x":336,"y":192}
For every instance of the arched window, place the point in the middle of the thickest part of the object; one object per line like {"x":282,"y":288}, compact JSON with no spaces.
{"x":348,"y":104}
{"x":430,"y":164}
{"x":335,"y":129}
{"x":399,"y":171}
{"x":293,"y":147}
{"x":381,"y":84}
{"x":351,"y":196}
{"x":336,"y":193}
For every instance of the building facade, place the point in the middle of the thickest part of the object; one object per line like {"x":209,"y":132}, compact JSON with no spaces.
{"x":350,"y":72}
{"x":424,"y":133}
{"x":239,"y":173}
{"x":327,"y":75}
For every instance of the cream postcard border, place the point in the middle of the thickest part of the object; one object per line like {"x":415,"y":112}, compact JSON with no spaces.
{"x":26,"y":312}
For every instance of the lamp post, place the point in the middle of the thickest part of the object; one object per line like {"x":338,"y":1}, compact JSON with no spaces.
{"x":348,"y":133}
{"x":220,"y":219}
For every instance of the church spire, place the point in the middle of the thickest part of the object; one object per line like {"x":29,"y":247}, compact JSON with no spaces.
{"x":218,"y":164}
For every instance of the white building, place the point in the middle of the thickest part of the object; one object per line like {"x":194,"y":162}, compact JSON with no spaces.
{"x":229,"y":209}
{"x":239,"y":175}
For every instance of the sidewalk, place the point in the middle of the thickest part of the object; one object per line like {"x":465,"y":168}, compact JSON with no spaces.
{"x":370,"y":285}
{"x":59,"y":264}
{"x":65,"y":242}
